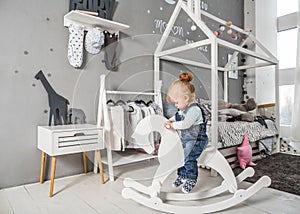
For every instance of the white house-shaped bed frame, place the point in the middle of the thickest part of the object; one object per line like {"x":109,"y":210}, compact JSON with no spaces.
{"x":193,"y":10}
{"x":168,"y":156}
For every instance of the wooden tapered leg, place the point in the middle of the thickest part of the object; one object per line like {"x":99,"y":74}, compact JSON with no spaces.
{"x":100,"y":166}
{"x":84,"y":162}
{"x":42,"y":167}
{"x":53,"y":166}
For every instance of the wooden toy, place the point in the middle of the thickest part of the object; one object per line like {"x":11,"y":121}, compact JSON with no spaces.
{"x":170,"y":157}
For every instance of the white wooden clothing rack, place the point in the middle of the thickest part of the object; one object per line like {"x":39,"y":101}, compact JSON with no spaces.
{"x":123,"y":157}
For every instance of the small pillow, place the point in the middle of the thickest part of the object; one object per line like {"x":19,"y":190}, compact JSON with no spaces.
{"x":222,"y":104}
{"x":223,"y":118}
{"x":244,"y":152}
{"x":231,"y":112}
{"x":247,"y":117}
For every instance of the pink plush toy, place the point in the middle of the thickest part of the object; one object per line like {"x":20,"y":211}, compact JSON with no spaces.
{"x":245,"y":153}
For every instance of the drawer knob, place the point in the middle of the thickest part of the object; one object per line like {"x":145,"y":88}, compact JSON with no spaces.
{"x":79,"y":134}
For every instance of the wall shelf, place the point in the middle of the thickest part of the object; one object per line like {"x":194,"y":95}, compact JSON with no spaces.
{"x":90,"y":21}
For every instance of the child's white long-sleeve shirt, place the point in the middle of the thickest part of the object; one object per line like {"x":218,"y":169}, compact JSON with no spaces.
{"x":192,"y":117}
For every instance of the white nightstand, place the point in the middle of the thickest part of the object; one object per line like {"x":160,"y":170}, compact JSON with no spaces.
{"x":69,"y":139}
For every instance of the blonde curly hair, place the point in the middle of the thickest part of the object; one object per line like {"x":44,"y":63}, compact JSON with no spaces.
{"x":183,"y":86}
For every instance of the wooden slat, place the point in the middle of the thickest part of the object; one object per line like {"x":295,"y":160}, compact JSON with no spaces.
{"x":230,"y":153}
{"x":269,"y":105}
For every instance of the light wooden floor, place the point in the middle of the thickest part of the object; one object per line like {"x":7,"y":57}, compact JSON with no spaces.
{"x":85,"y":194}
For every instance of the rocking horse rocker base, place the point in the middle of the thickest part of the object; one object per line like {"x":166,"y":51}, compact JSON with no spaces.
{"x":169,"y":155}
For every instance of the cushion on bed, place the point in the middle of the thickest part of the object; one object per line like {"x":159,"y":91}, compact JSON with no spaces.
{"x":237,"y":114}
{"x":231,"y":112}
{"x":245,"y":153}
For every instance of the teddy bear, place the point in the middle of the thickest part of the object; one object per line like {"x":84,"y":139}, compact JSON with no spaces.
{"x":249,"y":105}
{"x":238,"y":111}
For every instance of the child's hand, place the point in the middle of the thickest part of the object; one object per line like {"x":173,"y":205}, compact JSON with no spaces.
{"x":168,"y":124}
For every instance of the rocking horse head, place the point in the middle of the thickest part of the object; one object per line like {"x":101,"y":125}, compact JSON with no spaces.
{"x":170,"y":152}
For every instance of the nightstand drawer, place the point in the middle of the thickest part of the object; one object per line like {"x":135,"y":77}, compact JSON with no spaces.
{"x":66,"y":139}
{"x":69,"y":139}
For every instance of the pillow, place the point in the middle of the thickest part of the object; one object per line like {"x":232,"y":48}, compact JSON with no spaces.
{"x":223,"y":118}
{"x":247,"y":117}
{"x":244,"y":152}
{"x":222,"y":104}
{"x":231,"y":112}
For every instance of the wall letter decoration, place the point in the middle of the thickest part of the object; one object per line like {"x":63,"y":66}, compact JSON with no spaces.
{"x":104,"y":8}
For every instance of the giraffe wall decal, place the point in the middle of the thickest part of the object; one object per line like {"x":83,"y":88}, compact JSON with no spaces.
{"x":58,"y":104}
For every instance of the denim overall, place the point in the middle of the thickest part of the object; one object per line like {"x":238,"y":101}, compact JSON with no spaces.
{"x":194,"y":141}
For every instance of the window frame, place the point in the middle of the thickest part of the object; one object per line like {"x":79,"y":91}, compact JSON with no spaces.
{"x":284,"y":23}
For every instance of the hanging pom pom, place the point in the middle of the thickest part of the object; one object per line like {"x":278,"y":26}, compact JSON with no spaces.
{"x":234,"y":36}
{"x":193,"y":27}
{"x":217,"y":33}
{"x":222,"y":27}
{"x":229,"y":31}
{"x":229,"y":23}
{"x":244,"y":36}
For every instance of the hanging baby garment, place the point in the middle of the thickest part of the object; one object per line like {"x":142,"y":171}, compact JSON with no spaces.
{"x":117,"y":135}
{"x":75,"y":46}
{"x":110,"y":55}
{"x":94,"y":40}
{"x":134,"y":118}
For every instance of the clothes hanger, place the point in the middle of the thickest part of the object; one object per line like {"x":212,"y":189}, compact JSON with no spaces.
{"x":111,"y":101}
{"x":131,"y":109}
{"x":140,"y":102}
{"x":149,"y":102}
{"x":120,"y":102}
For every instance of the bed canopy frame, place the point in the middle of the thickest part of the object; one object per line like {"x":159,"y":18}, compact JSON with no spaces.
{"x":193,"y":10}
{"x":169,"y":154}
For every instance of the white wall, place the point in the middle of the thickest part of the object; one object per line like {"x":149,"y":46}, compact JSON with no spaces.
{"x":266,"y":33}
{"x":260,"y":18}
{"x":249,"y":82}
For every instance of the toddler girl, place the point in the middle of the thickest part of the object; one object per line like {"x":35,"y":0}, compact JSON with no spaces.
{"x":190,"y":121}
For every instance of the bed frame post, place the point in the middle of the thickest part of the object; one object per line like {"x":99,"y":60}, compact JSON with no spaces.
{"x":225,"y":85}
{"x":277,"y":105}
{"x":214,"y":92}
{"x":157,"y":82}
{"x":197,"y":9}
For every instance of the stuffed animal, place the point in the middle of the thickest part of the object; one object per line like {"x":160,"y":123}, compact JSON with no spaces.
{"x":249,"y":105}
{"x":76,"y":116}
{"x":238,"y":111}
{"x":244,"y":152}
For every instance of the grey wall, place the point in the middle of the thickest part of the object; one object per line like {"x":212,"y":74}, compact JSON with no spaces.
{"x":33,"y":38}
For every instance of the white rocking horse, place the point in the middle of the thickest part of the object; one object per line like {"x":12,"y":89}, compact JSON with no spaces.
{"x":170,"y":157}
